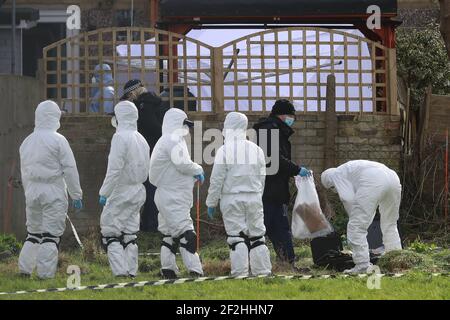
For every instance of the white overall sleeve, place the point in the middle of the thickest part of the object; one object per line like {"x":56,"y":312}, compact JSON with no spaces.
{"x":116,"y":162}
{"x":69,"y":168}
{"x":217,"y":179}
{"x":262,"y":164}
{"x":346,"y":193}
{"x":182,"y":160}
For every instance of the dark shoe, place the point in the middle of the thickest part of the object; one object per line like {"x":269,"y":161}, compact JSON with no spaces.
{"x":24,"y":275}
{"x":301,"y":270}
{"x":168,"y":274}
{"x":195,"y":274}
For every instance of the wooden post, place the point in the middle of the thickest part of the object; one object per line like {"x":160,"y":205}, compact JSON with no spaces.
{"x":42,"y":78}
{"x":393,"y":107}
{"x":407,"y":146}
{"x":423,"y":125}
{"x":154,"y":13}
{"x":217,"y":82}
{"x":446,"y":179}
{"x":330,"y":123}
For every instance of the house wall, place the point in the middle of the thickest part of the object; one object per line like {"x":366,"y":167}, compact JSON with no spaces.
{"x":19,"y":98}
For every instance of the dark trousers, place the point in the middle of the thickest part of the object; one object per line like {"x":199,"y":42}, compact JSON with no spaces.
{"x":149,"y":215}
{"x":278,"y":230}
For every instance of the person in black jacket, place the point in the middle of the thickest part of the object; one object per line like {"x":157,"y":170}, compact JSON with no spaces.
{"x":151,"y":113}
{"x":276,"y":191}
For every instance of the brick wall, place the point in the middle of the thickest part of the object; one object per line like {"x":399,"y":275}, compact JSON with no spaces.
{"x":373,"y":137}
{"x":90,"y":139}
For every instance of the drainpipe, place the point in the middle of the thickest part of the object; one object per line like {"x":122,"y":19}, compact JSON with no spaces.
{"x":13,"y":37}
{"x":132,"y":13}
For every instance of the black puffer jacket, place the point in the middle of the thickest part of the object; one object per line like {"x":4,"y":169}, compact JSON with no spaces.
{"x":151,"y":114}
{"x":276,"y":189}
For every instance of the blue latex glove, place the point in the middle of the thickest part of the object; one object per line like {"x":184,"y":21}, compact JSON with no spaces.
{"x":77,"y":204}
{"x":304,"y":172}
{"x":102,"y":200}
{"x":200,"y":177}
{"x":211,"y":212}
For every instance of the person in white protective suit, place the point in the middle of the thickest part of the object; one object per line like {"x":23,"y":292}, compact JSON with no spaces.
{"x":363,"y":186}
{"x":48,"y":171}
{"x":174,"y":173}
{"x":237,"y":180}
{"x":123,"y":192}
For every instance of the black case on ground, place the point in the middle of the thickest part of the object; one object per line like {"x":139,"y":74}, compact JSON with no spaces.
{"x":327,"y":252}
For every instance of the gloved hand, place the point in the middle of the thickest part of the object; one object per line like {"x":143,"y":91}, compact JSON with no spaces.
{"x":304,"y":172}
{"x":200,"y":178}
{"x":211,"y":212}
{"x":102,"y":200}
{"x":77,"y":204}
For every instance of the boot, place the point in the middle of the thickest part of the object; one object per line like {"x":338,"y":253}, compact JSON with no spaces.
{"x":168,"y":274}
{"x":194,"y":274}
{"x":359,"y":268}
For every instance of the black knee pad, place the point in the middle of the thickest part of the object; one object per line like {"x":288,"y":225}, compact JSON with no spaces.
{"x":48,"y":237}
{"x":132,"y":241}
{"x":172,"y":247}
{"x":106,"y":241}
{"x":34,"y":238}
{"x":233,"y":245}
{"x":191,"y":241}
{"x":256,"y":242}
{"x":243,"y":239}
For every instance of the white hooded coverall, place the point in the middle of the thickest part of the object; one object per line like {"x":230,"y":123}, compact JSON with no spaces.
{"x":48,"y":170}
{"x":363,"y":186}
{"x":128,"y":165}
{"x":237,"y":180}
{"x":172,"y":172}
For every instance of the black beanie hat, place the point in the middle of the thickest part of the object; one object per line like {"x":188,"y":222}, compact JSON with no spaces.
{"x":130,"y":86}
{"x":283,"y":106}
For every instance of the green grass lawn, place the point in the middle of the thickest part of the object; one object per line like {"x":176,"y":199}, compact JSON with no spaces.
{"x":417,"y":284}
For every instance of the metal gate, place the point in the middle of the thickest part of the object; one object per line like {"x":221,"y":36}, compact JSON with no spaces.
{"x":247,"y":74}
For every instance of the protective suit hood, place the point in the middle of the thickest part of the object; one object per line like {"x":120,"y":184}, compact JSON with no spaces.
{"x":173,"y":122}
{"x":127,"y":115}
{"x":334,"y":177}
{"x":106,"y":75}
{"x":47,"y":116}
{"x":327,"y":178}
{"x":235,"y":126}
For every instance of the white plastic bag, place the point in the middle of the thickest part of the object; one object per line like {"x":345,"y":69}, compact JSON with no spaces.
{"x":308,"y":221}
